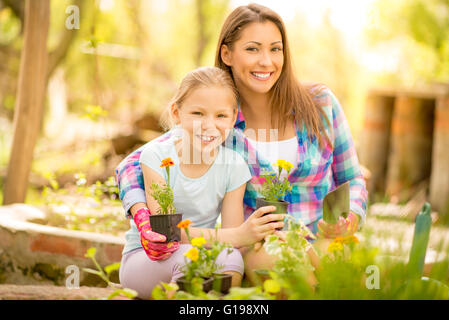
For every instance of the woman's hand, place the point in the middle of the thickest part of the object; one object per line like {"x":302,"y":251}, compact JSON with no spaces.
{"x":344,"y":227}
{"x":258,"y":226}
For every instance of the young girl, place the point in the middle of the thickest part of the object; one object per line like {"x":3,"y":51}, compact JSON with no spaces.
{"x":206,"y":178}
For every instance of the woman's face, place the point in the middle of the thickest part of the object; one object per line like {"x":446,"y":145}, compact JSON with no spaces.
{"x":256,"y":59}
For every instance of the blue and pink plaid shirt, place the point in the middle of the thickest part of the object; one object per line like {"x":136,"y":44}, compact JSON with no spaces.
{"x":318,"y":172}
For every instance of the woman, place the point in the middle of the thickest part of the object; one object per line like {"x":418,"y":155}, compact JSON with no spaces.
{"x":306,"y":127}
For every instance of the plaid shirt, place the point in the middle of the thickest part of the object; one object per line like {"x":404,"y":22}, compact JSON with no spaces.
{"x":318,"y":172}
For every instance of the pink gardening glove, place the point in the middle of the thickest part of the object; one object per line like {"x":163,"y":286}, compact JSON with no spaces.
{"x":152,"y":242}
{"x":344,"y":227}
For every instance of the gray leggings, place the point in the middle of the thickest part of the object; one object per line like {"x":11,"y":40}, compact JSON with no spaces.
{"x":139,"y":273}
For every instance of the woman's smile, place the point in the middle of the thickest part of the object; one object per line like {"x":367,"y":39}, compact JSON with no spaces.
{"x":261,"y":76}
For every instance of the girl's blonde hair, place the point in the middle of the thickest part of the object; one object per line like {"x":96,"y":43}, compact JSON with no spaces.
{"x":200,"y":77}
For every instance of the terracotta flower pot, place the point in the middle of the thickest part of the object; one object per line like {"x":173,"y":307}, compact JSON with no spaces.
{"x":281,"y":207}
{"x":166,"y":224}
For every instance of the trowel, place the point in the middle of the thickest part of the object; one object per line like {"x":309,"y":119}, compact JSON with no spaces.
{"x":336,"y":204}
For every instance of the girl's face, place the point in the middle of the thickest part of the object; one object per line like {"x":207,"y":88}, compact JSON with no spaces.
{"x":256,"y":59}
{"x":206,"y":115}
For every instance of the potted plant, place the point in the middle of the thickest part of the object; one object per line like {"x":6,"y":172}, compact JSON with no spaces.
{"x":274,"y":189}
{"x":166,"y":220}
{"x":201,"y":270}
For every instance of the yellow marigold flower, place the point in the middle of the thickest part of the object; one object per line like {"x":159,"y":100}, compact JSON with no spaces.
{"x":271,"y":286}
{"x":339,"y":239}
{"x":198,"y":242}
{"x":184,"y":224}
{"x":192,"y":254}
{"x":287,"y":166}
{"x":335,"y":246}
{"x":167,"y":162}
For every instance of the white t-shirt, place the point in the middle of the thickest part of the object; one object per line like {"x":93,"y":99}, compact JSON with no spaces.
{"x":275,"y":150}
{"x":198,"y":199}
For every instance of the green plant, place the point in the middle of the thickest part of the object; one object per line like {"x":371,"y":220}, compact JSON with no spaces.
{"x":164,"y":194}
{"x":292,"y":266}
{"x":202,"y":256}
{"x":104,"y":274}
{"x":273,"y":189}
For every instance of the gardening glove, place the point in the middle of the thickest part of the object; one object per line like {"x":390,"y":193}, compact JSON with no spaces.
{"x":342,"y":228}
{"x":152,"y":242}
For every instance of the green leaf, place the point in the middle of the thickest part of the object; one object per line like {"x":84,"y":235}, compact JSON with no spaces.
{"x":98,"y":273}
{"x":112,"y":267}
{"x":170,"y":286}
{"x":129,"y":293}
{"x":158,"y":293}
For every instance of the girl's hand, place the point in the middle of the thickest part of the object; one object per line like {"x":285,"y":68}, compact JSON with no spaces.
{"x":344,"y":227}
{"x":152,"y":242}
{"x":258,"y":226}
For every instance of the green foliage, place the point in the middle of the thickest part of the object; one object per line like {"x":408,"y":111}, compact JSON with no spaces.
{"x":104,"y":274}
{"x":291,"y":253}
{"x":421,"y":29}
{"x":9,"y":26}
{"x":201,"y":263}
{"x":164,"y":194}
{"x":164,"y":197}
{"x":93,"y":208}
{"x":292,"y":265}
{"x":273,"y":188}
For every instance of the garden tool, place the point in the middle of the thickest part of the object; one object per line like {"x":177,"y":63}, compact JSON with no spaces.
{"x":423,"y":223}
{"x":417,"y":284}
{"x":336,"y":204}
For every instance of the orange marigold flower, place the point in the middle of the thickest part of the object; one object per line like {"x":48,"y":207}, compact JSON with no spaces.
{"x":184,"y":224}
{"x":339,"y":239}
{"x":350,"y":239}
{"x":167,"y":162}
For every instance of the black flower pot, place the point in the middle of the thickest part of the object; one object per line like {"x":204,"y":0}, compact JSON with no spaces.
{"x":219,"y":282}
{"x":281,"y":207}
{"x":185,"y":285}
{"x":166,"y":224}
{"x":222,"y":282}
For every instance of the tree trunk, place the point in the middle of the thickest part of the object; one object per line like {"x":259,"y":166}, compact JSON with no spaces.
{"x":202,"y":33}
{"x":30,"y":99}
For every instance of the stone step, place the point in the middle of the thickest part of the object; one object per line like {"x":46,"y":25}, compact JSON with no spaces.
{"x":48,"y":292}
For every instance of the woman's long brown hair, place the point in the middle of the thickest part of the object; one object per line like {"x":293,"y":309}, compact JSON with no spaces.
{"x":289,"y":99}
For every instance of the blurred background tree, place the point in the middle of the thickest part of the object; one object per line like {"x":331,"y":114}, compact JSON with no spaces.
{"x":417,"y":33}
